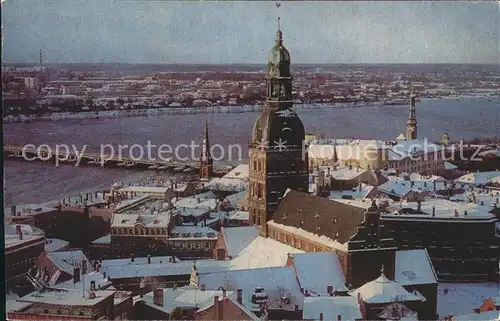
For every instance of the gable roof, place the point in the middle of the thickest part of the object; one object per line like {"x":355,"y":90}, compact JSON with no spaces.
{"x":317,"y":270}
{"x":331,"y":307}
{"x":277,"y":282}
{"x":336,"y":220}
{"x":233,"y":199}
{"x":414,"y":267}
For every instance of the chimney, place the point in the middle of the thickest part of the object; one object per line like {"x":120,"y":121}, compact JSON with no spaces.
{"x":434,"y":182}
{"x":419,"y":205}
{"x":239,"y":296}
{"x":296,"y":308}
{"x":103,"y":274}
{"x":203,"y":287}
{"x":19,"y":232}
{"x":329,"y":289}
{"x":149,"y":259}
{"x":158,"y":297}
{"x":76,"y":275}
{"x":339,"y":318}
{"x":433,"y":211}
{"x":321,"y":316}
{"x":13,"y":210}
{"x":132,"y":258}
{"x":92,"y":285}
{"x":456,"y":213}
{"x":223,"y":293}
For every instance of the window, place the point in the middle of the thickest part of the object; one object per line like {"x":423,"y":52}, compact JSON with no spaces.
{"x":207,"y":245}
{"x":197,"y":245}
{"x":59,"y":312}
{"x":46,"y":311}
{"x":81,"y":313}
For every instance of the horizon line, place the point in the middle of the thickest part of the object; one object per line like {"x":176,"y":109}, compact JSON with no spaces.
{"x":37,"y":63}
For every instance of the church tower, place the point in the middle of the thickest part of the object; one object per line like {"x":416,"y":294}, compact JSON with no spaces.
{"x":411,"y":125}
{"x":206,"y":161}
{"x":277,"y":154}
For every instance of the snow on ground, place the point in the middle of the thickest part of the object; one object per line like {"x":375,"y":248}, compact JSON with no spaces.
{"x":462,"y":298}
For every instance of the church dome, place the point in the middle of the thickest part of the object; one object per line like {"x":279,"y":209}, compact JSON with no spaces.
{"x":278,"y":125}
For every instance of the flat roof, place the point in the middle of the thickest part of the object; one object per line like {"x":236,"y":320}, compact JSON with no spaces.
{"x":66,"y":297}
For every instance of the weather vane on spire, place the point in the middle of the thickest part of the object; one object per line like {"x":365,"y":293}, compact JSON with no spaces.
{"x":278,"y":5}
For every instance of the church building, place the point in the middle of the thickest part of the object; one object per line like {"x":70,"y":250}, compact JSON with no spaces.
{"x":277,"y":154}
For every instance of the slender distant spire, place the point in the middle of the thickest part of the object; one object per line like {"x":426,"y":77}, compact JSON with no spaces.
{"x":382,"y":269}
{"x":41,"y":60}
{"x":206,"y":144}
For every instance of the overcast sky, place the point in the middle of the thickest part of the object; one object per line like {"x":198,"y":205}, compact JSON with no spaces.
{"x":243,"y":32}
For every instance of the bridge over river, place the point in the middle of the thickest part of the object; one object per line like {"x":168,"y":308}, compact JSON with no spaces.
{"x":46,"y":154}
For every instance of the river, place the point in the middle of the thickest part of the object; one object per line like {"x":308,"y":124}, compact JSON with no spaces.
{"x":34,"y":182}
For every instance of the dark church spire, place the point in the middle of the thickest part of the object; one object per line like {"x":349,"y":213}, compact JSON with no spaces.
{"x":206,"y":161}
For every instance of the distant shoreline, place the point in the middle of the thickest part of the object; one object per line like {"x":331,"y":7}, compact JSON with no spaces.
{"x":111,"y":114}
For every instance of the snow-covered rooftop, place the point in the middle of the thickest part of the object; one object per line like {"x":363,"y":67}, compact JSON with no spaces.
{"x":52,"y":245}
{"x":414,"y":267}
{"x":227,"y":184}
{"x":463,"y":298}
{"x":239,"y":215}
{"x":478,"y":178}
{"x":162,"y":269}
{"x":277,"y":282}
{"x":239,"y":172}
{"x":331,"y":307}
{"x":197,"y":203}
{"x":130,"y":203}
{"x":66,"y":297}
{"x":383,"y":290}
{"x":149,"y":190}
{"x":234,"y":198}
{"x":190,"y":231}
{"x":106,"y":239}
{"x":160,"y":220}
{"x":67,"y":260}
{"x":29,"y":209}
{"x":360,"y":192}
{"x":318,"y":270}
{"x":244,"y":246}
{"x":356,"y":149}
{"x":85,"y":281}
{"x":445,"y":209}
{"x":137,"y":261}
{"x":29,"y":233}
{"x":483,"y":316}
{"x":323,"y":240}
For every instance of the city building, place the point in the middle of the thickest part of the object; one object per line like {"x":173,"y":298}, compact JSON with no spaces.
{"x":462,"y":238}
{"x":23,"y":245}
{"x":30,"y":83}
{"x":277,"y":160}
{"x":63,"y":304}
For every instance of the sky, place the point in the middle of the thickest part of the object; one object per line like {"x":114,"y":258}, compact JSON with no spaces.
{"x":128,"y":31}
